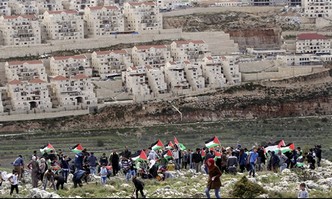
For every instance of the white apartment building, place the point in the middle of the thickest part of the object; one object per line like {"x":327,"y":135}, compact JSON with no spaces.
{"x":194,"y":75}
{"x":231,"y":69}
{"x":30,"y":95}
{"x":317,"y":8}
{"x":74,"y":92}
{"x":153,"y":55}
{"x":24,"y":7}
{"x":156,"y":81}
{"x":175,"y":76}
{"x":136,"y":80}
{"x":213,"y":72}
{"x":313,"y":43}
{"x":49,"y":5}
{"x":69,"y":66}
{"x":189,"y":50}
{"x":303,"y":59}
{"x":229,"y":3}
{"x":63,"y":25}
{"x":80,"y":5}
{"x":110,"y":62}
{"x":25,"y":70}
{"x":5,"y":10}
{"x":103,"y":20}
{"x":141,"y":16}
{"x":20,"y":30}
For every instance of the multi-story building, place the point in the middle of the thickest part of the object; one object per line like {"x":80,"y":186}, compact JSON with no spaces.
{"x":294,"y":3}
{"x":5,"y":10}
{"x":231,"y":69}
{"x":20,"y":30}
{"x":189,"y":50}
{"x":153,"y":55}
{"x":303,"y":59}
{"x":24,"y":7}
{"x":156,"y":81}
{"x":317,"y":8}
{"x":194,"y":75}
{"x":213,"y":72}
{"x":313,"y":43}
{"x":261,"y":2}
{"x":103,"y":20}
{"x":80,"y":5}
{"x":63,"y":25}
{"x":69,"y":66}
{"x":49,"y":5}
{"x":175,"y":76}
{"x":140,"y":16}
{"x":73,"y":92}
{"x":110,"y":62}
{"x":30,"y":95}
{"x":25,"y":70}
{"x":136,"y":80}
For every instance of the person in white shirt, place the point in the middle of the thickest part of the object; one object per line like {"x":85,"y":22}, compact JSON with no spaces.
{"x":303,"y":193}
{"x":13,"y":182}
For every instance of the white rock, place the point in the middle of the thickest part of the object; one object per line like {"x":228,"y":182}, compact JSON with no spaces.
{"x":263,"y":196}
{"x":286,"y":172}
{"x":252,"y":180}
{"x":311,"y":184}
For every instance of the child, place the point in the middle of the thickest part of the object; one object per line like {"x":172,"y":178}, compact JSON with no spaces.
{"x":303,"y":193}
{"x":13,"y":182}
{"x":139,"y":186}
{"x":103,"y":174}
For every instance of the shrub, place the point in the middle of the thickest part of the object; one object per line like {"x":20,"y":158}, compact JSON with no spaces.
{"x":325,"y":120}
{"x":100,"y":143}
{"x":246,"y":189}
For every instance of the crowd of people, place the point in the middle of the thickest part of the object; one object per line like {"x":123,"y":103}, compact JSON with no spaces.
{"x":52,"y":168}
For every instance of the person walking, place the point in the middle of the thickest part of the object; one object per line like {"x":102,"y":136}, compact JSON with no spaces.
{"x":318,"y":152}
{"x":13,"y":182}
{"x":103,"y":174}
{"x":92,"y":161}
{"x":214,"y":178}
{"x":19,"y":166}
{"x":253,"y":155}
{"x":65,"y":167}
{"x":197,"y":159}
{"x":115,"y":159}
{"x":34,"y":166}
{"x":139,"y":186}
{"x":242,"y":160}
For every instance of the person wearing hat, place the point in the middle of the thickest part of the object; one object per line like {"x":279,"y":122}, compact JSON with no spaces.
{"x":214,"y":178}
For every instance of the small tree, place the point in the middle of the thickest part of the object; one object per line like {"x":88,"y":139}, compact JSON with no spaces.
{"x":244,"y":188}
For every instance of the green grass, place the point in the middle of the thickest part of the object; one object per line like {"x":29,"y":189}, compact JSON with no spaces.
{"x":304,"y":132}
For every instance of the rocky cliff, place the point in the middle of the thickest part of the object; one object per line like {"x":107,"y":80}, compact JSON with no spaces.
{"x":300,"y":96}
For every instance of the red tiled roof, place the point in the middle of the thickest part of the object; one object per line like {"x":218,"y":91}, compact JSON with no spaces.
{"x":80,"y":76}
{"x":149,"y":3}
{"x":111,"y":7}
{"x":189,"y":41}
{"x":15,"y":81}
{"x":22,"y":62}
{"x":36,"y":81}
{"x":59,"y":78}
{"x":17,"y":16}
{"x":68,"y":57}
{"x":109,"y":52}
{"x":151,"y":46}
{"x":61,"y":11}
{"x":101,"y":7}
{"x":310,"y":36}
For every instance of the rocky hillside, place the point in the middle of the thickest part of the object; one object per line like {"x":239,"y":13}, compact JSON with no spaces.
{"x":188,"y":184}
{"x":300,"y":96}
{"x":259,"y":30}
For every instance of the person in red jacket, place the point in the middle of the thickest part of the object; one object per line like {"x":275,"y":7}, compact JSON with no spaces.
{"x":214,"y":178}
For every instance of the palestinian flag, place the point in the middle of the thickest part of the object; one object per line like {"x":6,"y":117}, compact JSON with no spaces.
{"x":288,"y":148}
{"x":139,"y":156}
{"x":46,"y":148}
{"x":203,"y":154}
{"x":77,"y":148}
{"x":217,"y":155}
{"x":213,"y":142}
{"x":170,"y":145}
{"x":157,"y":145}
{"x":180,"y":145}
{"x":274,"y":146}
{"x":168,"y":155}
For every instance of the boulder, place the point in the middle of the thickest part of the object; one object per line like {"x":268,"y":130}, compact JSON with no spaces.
{"x":286,"y":172}
{"x":311,"y":184}
{"x":38,"y":193}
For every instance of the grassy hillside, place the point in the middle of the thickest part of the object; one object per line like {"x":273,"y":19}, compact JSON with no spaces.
{"x":304,"y":132}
